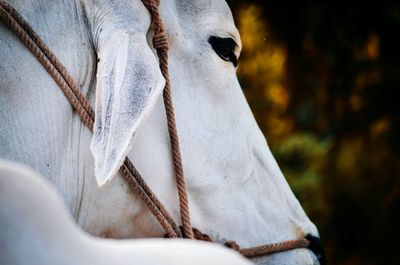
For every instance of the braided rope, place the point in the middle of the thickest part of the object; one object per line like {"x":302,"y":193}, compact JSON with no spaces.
{"x":258,"y":250}
{"x":136,"y":183}
{"x":274,"y":248}
{"x":160,"y":43}
{"x":70,"y":89}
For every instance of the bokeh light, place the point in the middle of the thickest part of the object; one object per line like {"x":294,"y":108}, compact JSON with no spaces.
{"x":322,"y":82}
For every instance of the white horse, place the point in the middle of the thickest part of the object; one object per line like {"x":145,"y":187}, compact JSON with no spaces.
{"x":236,"y":190}
{"x":37,"y":229}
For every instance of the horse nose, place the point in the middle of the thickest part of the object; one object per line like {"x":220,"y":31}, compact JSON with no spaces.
{"x":317,"y":248}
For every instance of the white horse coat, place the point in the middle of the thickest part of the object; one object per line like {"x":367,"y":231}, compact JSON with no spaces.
{"x":236,"y":190}
{"x":36,"y":229}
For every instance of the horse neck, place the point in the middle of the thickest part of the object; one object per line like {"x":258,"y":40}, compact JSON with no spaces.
{"x":38,"y":125}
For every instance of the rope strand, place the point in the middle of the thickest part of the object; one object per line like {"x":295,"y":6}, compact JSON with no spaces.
{"x":160,"y":43}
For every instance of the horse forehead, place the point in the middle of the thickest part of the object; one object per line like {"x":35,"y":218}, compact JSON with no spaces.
{"x":210,"y":15}
{"x":197,"y":8}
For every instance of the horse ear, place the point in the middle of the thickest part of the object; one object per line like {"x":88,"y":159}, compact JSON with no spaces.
{"x":128,"y":83}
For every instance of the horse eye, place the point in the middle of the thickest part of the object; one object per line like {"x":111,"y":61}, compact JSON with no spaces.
{"x":225,"y":48}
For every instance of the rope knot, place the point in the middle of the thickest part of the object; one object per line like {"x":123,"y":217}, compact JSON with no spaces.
{"x":201,"y":236}
{"x":197,"y":234}
{"x":160,"y":41}
{"x":232,"y":245}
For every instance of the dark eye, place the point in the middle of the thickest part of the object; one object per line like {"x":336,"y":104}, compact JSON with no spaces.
{"x":225,"y":48}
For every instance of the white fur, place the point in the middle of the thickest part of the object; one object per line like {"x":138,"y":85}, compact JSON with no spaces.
{"x":236,"y":190}
{"x":36,"y":229}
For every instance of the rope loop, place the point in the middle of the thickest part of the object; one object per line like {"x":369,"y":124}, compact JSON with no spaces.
{"x":160,"y":41}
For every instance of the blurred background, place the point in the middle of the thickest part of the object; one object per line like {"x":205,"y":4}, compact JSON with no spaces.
{"x":322,"y":81}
